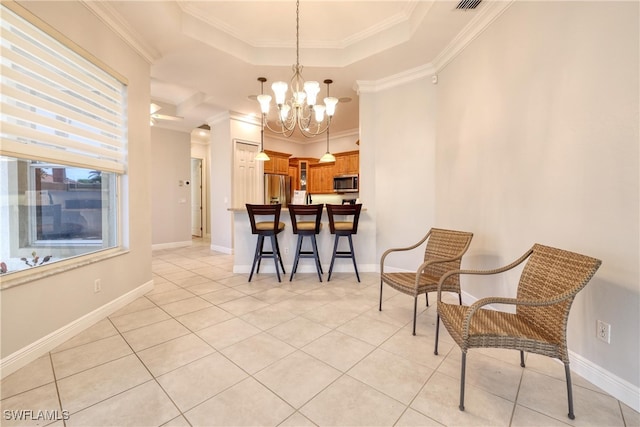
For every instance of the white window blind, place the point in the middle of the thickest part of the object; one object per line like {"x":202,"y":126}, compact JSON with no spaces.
{"x":57,"y":106}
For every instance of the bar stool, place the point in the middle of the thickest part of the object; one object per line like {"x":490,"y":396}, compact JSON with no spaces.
{"x":343,"y":228}
{"x":263,"y":229}
{"x":309,"y":228}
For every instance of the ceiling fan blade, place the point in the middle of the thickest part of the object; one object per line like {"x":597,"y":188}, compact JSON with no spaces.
{"x":166,"y":117}
{"x":154,"y":108}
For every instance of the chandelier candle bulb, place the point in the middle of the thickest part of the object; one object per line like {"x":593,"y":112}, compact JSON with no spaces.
{"x":280,"y":91}
{"x":319,"y":111}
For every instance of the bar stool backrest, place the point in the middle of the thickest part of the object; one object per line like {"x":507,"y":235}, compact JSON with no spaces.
{"x":344,"y":227}
{"x":305,"y":210}
{"x":272,"y":225}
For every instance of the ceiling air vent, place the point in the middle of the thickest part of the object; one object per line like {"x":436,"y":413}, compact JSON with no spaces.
{"x":468,"y":4}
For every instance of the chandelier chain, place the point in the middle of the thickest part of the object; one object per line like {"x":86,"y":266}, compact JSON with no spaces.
{"x":295,"y":113}
{"x":297,"y":32}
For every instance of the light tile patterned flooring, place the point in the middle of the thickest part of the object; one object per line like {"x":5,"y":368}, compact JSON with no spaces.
{"x":207,"y":348}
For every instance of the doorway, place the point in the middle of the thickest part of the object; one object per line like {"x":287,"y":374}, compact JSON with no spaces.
{"x":196,"y":198}
{"x":247,"y":181}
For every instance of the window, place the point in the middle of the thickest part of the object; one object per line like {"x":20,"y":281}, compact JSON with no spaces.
{"x":62,"y":147}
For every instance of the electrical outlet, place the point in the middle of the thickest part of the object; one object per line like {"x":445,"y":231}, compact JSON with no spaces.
{"x":97,"y":286}
{"x":286,"y":251}
{"x":603,"y":331}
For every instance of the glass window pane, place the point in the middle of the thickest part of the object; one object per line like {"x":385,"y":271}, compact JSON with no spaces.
{"x":50,"y":212}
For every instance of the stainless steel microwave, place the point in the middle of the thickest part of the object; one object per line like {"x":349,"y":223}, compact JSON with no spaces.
{"x":345,"y":184}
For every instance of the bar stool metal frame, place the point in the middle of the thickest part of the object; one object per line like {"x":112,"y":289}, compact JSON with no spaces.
{"x":306,"y":228}
{"x":263,"y":229}
{"x":343,"y":228}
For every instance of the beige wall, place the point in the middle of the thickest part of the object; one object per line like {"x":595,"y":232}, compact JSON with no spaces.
{"x":32,"y":311}
{"x":537,"y":141}
{"x":397,"y":167}
{"x":171,"y":202}
{"x":531,"y":135}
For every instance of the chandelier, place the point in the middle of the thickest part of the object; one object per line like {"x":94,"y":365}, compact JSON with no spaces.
{"x":301,"y":111}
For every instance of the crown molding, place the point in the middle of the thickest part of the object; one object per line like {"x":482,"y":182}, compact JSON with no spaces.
{"x":318,"y":138}
{"x":372,"y":86}
{"x":480,"y":22}
{"x":485,"y":17}
{"x":107,"y":14}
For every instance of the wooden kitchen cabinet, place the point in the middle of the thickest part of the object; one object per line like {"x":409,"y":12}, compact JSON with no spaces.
{"x":278,"y":163}
{"x":347,"y":163}
{"x":321,"y":178}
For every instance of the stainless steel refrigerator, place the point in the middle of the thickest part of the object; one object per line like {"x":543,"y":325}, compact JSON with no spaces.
{"x":277,"y":189}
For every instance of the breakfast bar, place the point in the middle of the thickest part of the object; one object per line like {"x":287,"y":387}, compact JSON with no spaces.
{"x":244,"y":245}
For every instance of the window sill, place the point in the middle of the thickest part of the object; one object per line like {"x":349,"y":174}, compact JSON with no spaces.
{"x":22,"y":277}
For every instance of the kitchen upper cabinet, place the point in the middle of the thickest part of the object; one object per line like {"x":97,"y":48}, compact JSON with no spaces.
{"x":278,"y":163}
{"x":347,"y":163}
{"x":318,"y":177}
{"x":321,"y":178}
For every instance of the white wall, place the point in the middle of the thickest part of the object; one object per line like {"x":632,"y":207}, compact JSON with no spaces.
{"x":537,"y":141}
{"x":224,"y":132}
{"x":397,"y":167}
{"x":171,"y":202}
{"x":531,"y":135}
{"x":33,"y":311}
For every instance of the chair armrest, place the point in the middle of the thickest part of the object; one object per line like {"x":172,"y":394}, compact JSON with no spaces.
{"x":408,"y":248}
{"x":482,"y":272}
{"x":466,"y":322}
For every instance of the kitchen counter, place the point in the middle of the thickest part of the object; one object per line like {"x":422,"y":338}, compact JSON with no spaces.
{"x":244,"y":245}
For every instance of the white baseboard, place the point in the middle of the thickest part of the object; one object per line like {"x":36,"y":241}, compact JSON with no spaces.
{"x":171,"y":245}
{"x":617,"y":387}
{"x":31,"y":352}
{"x":222,"y":249}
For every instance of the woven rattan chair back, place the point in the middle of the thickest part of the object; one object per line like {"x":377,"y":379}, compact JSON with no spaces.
{"x":443,"y":244}
{"x":552,"y":273}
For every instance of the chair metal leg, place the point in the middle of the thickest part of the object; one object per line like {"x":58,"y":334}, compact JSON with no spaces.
{"x":333,"y":257}
{"x":462,"y":373}
{"x":435,"y":350}
{"x":261,"y":246}
{"x":460,"y":298}
{"x":426,"y":297}
{"x":277,"y":249}
{"x":380,"y":306}
{"x":296,"y":258}
{"x":256,"y":256}
{"x":415,"y":310}
{"x":567,"y":371}
{"x":316,"y":256}
{"x":276,"y":256}
{"x":522,"y":358}
{"x":353,"y":257}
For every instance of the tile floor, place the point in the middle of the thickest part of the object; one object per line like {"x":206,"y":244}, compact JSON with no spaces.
{"x":207,"y":348}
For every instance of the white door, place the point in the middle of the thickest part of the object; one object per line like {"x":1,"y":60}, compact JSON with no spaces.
{"x":196,"y":197}
{"x":247,"y":182}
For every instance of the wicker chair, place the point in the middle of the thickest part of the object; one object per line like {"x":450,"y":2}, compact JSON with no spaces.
{"x":443,"y":252}
{"x":549,"y":282}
